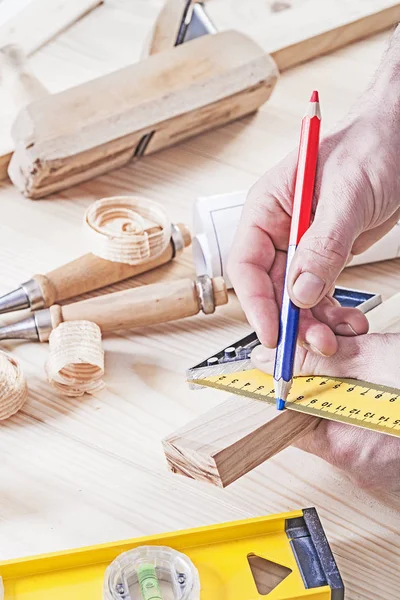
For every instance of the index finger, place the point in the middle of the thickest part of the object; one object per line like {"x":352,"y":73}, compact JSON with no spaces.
{"x":252,"y":257}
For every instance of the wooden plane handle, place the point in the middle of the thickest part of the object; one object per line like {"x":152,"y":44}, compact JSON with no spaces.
{"x":89,"y":272}
{"x":139,"y":307}
{"x":18,"y":78}
{"x":165,"y":31}
{"x":19,"y":87}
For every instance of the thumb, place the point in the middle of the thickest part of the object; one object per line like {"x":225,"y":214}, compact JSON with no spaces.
{"x":321,"y":255}
{"x":372,"y":357}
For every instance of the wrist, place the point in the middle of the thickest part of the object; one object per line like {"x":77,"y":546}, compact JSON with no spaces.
{"x":381,"y":101}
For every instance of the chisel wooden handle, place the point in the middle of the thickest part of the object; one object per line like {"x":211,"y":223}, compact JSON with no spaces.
{"x":89,"y":272}
{"x":147,"y":305}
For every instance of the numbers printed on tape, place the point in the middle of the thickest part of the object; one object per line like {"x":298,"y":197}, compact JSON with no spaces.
{"x":356,"y":402}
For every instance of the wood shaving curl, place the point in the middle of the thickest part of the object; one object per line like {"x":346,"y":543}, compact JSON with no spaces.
{"x":13,"y":388}
{"x":127,"y":229}
{"x":76,"y":362}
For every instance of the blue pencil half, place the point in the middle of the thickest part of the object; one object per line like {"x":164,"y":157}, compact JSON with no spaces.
{"x":286,"y":349}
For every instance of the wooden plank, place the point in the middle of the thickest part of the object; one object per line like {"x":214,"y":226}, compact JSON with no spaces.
{"x":306,"y":29}
{"x":69,"y":137}
{"x":229,"y":441}
{"x":39,"y":21}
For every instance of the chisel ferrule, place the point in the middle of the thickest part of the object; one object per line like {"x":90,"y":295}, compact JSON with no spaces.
{"x":44,"y":325}
{"x":34,"y":294}
{"x":28,"y":295}
{"x":178,"y":243}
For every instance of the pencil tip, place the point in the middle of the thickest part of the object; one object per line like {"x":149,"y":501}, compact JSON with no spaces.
{"x":314,"y":96}
{"x":280,"y":404}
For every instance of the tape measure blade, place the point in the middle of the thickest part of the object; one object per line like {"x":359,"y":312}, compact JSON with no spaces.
{"x":348,"y":401}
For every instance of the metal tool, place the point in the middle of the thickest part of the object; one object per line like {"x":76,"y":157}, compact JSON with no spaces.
{"x":83,"y":275}
{"x":137,"y":307}
{"x":283,"y":556}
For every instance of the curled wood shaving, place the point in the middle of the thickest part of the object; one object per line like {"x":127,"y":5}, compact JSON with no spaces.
{"x":76,"y":362}
{"x":13,"y":388}
{"x":127,"y":229}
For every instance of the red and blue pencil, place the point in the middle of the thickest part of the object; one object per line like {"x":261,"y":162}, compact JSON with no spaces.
{"x":301,"y":218}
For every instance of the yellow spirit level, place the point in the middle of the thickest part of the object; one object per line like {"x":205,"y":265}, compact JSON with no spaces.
{"x":278,"y":557}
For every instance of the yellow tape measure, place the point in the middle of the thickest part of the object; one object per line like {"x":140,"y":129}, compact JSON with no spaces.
{"x":351,"y":401}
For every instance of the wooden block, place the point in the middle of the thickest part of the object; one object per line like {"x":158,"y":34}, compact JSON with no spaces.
{"x":232,"y":439}
{"x":240,"y":434}
{"x":69,"y":137}
{"x":35,"y":23}
{"x":295,"y":31}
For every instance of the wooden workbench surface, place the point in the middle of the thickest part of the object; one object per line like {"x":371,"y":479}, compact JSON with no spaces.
{"x":78,"y":472}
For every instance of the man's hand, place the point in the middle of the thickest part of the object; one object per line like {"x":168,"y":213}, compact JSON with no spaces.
{"x":357,"y":201}
{"x":370,"y":458}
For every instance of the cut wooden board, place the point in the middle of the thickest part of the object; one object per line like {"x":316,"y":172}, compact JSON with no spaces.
{"x":232,"y":439}
{"x":306,"y":29}
{"x":240,"y":434}
{"x":36,"y":22}
{"x":75,"y":135}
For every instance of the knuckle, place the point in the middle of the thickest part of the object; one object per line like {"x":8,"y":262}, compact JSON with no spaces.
{"x":365,"y":480}
{"x":328,"y":249}
{"x":307,"y":361}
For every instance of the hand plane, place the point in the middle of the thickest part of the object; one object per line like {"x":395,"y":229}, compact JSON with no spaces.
{"x":193,"y":80}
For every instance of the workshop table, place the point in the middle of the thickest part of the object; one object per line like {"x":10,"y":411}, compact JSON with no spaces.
{"x":83,"y":471}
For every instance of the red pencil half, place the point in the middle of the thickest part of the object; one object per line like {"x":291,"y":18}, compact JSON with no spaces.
{"x":306,"y":169}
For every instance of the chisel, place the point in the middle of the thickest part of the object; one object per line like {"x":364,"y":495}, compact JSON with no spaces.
{"x":136,"y":307}
{"x":85,"y":274}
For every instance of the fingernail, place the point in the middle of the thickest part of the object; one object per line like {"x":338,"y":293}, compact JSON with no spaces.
{"x":345,"y":329}
{"x":308,"y":288}
{"x":263,"y":355}
{"x":313,"y":349}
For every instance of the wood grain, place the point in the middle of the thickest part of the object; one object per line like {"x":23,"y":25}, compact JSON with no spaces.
{"x":39,"y":21}
{"x":140,"y":307}
{"x":225,"y":444}
{"x":325,"y":26}
{"x":70,"y":137}
{"x":91,"y":470}
{"x":232,"y":439}
{"x":88,"y":273}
